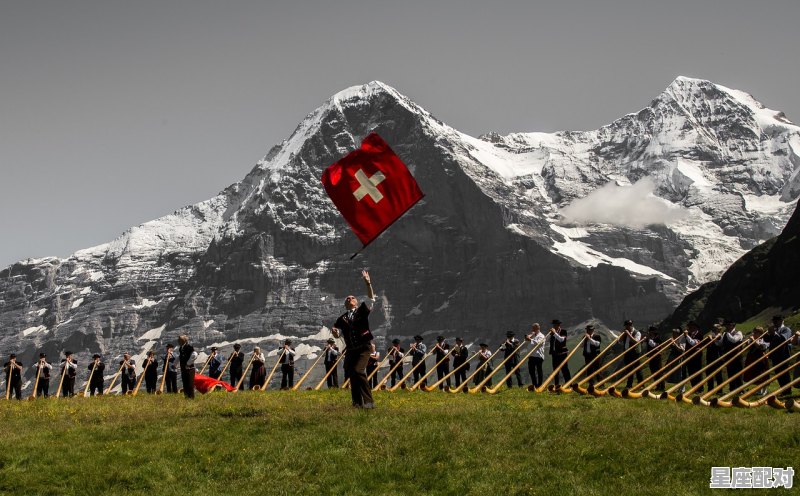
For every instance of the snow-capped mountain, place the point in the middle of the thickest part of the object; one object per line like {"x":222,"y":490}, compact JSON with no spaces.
{"x":490,"y":248}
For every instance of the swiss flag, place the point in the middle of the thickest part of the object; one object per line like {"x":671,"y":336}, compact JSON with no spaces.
{"x":371,"y":187}
{"x":204,"y":384}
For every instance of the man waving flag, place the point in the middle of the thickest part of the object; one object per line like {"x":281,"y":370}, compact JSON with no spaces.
{"x":371,"y":187}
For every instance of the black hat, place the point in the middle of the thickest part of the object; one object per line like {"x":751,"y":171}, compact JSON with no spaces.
{"x":692,"y":323}
{"x":628,"y":323}
{"x":288,"y":341}
{"x":213,"y":348}
{"x":417,"y":338}
{"x":652,"y":328}
{"x":12,"y":356}
{"x":237,"y":347}
{"x":439,"y":338}
{"x":459,"y":339}
{"x":777,"y":318}
{"x":483,"y":345}
{"x":556,"y":322}
{"x":42,"y":355}
{"x":395,"y":341}
{"x":509,"y":333}
{"x":170,"y":345}
{"x":331,"y":340}
{"x":728,"y":322}
{"x":96,"y":355}
{"x":67,"y":353}
{"x":590,"y":327}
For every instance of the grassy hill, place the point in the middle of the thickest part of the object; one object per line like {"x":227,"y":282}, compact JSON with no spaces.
{"x":514,"y":442}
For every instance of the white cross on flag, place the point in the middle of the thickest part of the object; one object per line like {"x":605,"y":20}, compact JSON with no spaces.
{"x":371,"y":187}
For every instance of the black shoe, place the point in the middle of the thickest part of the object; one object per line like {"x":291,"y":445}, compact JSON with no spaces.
{"x":368,"y":406}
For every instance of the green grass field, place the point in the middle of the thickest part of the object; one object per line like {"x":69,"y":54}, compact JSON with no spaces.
{"x":514,"y":442}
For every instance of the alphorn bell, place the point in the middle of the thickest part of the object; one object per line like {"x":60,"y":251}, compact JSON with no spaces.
{"x":685,"y":396}
{"x":36,"y":384}
{"x":489,"y":376}
{"x":114,"y":379}
{"x":573,"y":380}
{"x":724,"y":400}
{"x":664,"y":372}
{"x":464,"y":385}
{"x":89,"y":381}
{"x":560,"y":366}
{"x":244,"y":374}
{"x":628,"y":370}
{"x":668,"y":393}
{"x":703,"y":399}
{"x":431,"y":371}
{"x":436,"y":384}
{"x":772,"y":398}
{"x":382,"y":383}
{"x":300,"y":382}
{"x":515,"y":368}
{"x":335,"y":364}
{"x":269,"y":377}
{"x":141,"y":378}
{"x":402,"y":382}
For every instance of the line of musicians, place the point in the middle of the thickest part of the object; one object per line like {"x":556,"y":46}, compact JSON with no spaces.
{"x":725,"y":337}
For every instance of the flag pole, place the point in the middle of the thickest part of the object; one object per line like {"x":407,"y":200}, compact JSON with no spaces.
{"x":359,"y":251}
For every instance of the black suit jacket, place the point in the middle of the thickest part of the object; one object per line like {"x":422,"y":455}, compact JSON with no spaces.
{"x":355,"y":332}
{"x":593,"y":350}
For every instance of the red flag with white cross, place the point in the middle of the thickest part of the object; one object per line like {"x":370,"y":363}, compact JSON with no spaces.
{"x":371,"y":187}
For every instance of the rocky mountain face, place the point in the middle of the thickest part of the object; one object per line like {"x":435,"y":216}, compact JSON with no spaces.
{"x":486,"y":250}
{"x":764,"y":278}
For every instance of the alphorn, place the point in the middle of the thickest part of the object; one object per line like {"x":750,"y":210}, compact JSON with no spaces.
{"x":463,"y":386}
{"x":89,"y":381}
{"x":489,"y":376}
{"x":772,"y":398}
{"x":515,"y":368}
{"x":61,"y":382}
{"x":160,"y":389}
{"x":724,"y":401}
{"x":139,"y":383}
{"x":244,"y":374}
{"x":402,"y":382}
{"x":227,"y":364}
{"x":208,"y":360}
{"x":664,"y":372}
{"x":371,"y":374}
{"x":8,"y":380}
{"x":300,"y":382}
{"x":436,"y":384}
{"x":382,"y":383}
{"x":36,"y":384}
{"x":667,"y":395}
{"x":114,"y":379}
{"x":431,"y":371}
{"x":335,"y":364}
{"x":703,"y":399}
{"x":573,"y":380}
{"x":628,"y":370}
{"x":560,"y":366}
{"x":274,"y":368}
{"x":685,"y":396}
{"x":582,"y":390}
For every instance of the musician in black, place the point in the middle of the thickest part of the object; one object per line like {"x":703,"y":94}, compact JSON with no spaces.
{"x":353,"y":326}
{"x":215,"y":363}
{"x":96,"y":378}
{"x":652,"y":342}
{"x":418,"y":352}
{"x":13,"y":370}
{"x":151,"y":372}
{"x":776,"y":336}
{"x":331,"y":356}
{"x":372,"y":366}
{"x":591,"y":348}
{"x":443,"y":368}
{"x":695,"y":363}
{"x":69,"y":371}
{"x":128,"y":373}
{"x":485,"y":368}
{"x":43,"y":388}
{"x":235,"y":367}
{"x":172,"y":365}
{"x":396,"y":354}
{"x":511,"y":353}
{"x":631,"y":359}
{"x":460,"y":354}
{"x":186,"y":357}
{"x":559,"y":352}
{"x":287,"y":365}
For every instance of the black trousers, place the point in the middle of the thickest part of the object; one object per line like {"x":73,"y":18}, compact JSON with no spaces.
{"x":128,"y":383}
{"x":150,"y":384}
{"x":441,"y":371}
{"x":535,"y":370}
{"x":96,"y":387}
{"x":172,"y":382}
{"x":44,"y":387}
{"x":693,"y":366}
{"x":460,"y":375}
{"x":785,"y":377}
{"x":564,"y":372}
{"x":287,"y":376}
{"x":371,"y":371}
{"x":734,"y":368}
{"x":486,"y":371}
{"x":333,"y":377}
{"x":629,"y":358}
{"x":355,"y":364}
{"x":510,"y":365}
{"x":398,"y":372}
{"x":16,"y":390}
{"x":419,"y":372}
{"x":236,"y":376}
{"x":68,"y":387}
{"x":591,"y":370}
{"x":187,"y":376}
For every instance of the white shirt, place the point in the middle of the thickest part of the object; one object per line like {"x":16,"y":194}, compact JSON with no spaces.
{"x":538,"y":339}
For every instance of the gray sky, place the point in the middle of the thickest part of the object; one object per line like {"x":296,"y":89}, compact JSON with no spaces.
{"x":113,"y":113}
